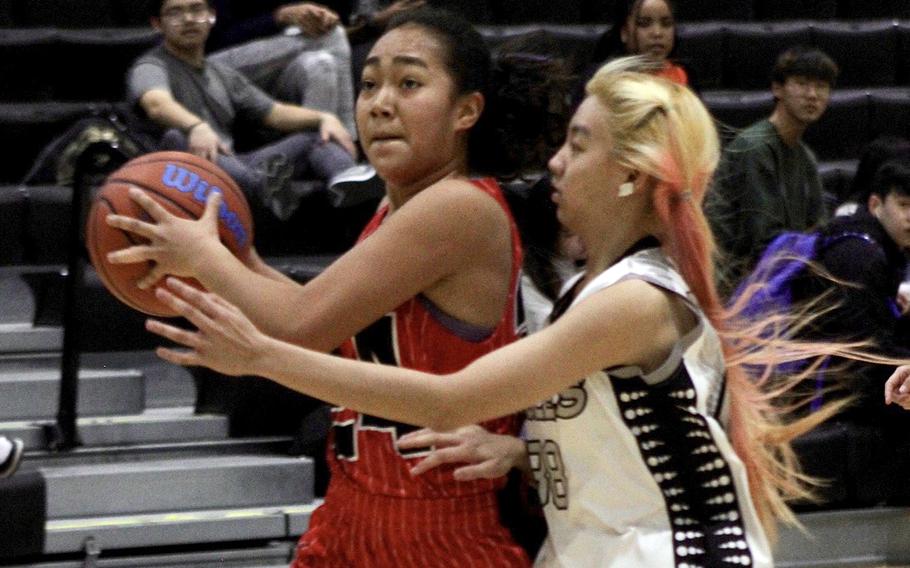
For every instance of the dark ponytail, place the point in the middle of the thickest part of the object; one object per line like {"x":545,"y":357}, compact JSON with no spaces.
{"x":525,"y":93}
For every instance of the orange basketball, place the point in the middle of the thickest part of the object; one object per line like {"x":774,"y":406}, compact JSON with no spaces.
{"x":180,"y":182}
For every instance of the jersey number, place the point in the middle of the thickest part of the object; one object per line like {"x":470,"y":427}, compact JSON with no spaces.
{"x":377,"y":344}
{"x":546,"y":464}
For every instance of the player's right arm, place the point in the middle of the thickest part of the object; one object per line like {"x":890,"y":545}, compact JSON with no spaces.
{"x":425,"y":243}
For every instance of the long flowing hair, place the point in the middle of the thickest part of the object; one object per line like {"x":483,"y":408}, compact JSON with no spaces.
{"x":663,"y":130}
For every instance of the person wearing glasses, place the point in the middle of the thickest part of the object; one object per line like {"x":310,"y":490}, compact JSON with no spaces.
{"x":768,"y":180}
{"x":199,"y":104}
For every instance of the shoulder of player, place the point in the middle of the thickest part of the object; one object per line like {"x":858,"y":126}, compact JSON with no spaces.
{"x":602,"y":321}
{"x":456,"y":205}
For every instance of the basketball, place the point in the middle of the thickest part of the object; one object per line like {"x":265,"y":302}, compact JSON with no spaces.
{"x":178,"y":181}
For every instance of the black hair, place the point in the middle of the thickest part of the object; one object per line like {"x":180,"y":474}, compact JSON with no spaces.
{"x":610,"y":44}
{"x":539,"y":229}
{"x":892,"y":177}
{"x":154,"y":7}
{"x":881,"y":150}
{"x":526,"y":95}
{"x":802,"y":61}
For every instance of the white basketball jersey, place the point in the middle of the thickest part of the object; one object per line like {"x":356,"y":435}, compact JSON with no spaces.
{"x":635,"y":470}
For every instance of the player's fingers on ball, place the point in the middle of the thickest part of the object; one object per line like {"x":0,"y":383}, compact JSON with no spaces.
{"x":138,"y":253}
{"x":152,"y":207}
{"x":150,"y":279}
{"x":212,"y":203}
{"x":131,"y":225}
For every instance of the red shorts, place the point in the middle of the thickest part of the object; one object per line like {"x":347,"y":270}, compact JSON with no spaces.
{"x":353,"y":529}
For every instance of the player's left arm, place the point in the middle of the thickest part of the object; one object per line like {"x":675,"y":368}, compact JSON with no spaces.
{"x":594,"y":335}
{"x":482,"y":454}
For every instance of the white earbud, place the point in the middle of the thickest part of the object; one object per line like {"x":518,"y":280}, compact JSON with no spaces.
{"x":212,"y":20}
{"x":626,"y":189}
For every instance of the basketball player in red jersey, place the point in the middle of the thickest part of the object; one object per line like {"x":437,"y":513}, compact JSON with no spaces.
{"x":431,"y":285}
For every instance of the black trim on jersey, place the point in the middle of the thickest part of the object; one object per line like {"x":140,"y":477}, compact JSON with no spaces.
{"x":563,"y":302}
{"x":679,"y":450}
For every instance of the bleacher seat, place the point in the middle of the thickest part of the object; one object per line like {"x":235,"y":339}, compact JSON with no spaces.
{"x":576,"y":43}
{"x":703,"y":10}
{"x":866,"y":52}
{"x":6,"y":13}
{"x":64,"y":13}
{"x":795,"y":9}
{"x":843,"y":131}
{"x":538,"y":11}
{"x":889,"y":111}
{"x":131,"y":13}
{"x":903,"y":58}
{"x":26,"y":128}
{"x":752,"y":49}
{"x":12,"y":225}
{"x":475,"y":11}
{"x":93,"y":63}
{"x":597,"y":10}
{"x":737,"y":109}
{"x":836,"y":177}
{"x":26,"y":64}
{"x":48,"y":223}
{"x":867,"y":9}
{"x":700,"y":48}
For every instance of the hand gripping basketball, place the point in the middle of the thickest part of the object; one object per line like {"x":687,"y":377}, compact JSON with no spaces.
{"x":169,"y":210}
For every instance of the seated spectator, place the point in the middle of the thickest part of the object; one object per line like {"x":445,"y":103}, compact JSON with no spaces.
{"x":642,"y":27}
{"x":768,"y":179}
{"x":197,"y":103}
{"x":10,"y":456}
{"x":877,"y":152}
{"x":862,"y":260}
{"x":297,"y":53}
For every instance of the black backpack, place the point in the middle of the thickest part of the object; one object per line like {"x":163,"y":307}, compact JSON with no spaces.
{"x":107,"y":124}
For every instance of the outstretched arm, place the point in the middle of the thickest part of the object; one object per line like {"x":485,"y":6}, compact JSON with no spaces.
{"x":422,"y":243}
{"x":588,"y":338}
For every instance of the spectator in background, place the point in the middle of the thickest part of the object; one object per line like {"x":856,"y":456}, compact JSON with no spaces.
{"x":877,"y":152}
{"x":862,"y":257}
{"x":297,"y":52}
{"x":642,"y":27}
{"x":10,"y":456}
{"x":198,"y":103}
{"x":768,"y":179}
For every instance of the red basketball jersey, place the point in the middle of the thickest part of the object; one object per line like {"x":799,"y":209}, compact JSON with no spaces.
{"x":417,"y":335}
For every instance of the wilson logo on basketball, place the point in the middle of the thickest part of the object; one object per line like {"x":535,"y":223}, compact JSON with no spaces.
{"x":186,"y":181}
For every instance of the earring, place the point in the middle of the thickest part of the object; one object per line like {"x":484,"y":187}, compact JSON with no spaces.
{"x":626,"y":189}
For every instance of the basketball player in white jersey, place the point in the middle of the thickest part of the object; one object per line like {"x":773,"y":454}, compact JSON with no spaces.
{"x":650,"y":445}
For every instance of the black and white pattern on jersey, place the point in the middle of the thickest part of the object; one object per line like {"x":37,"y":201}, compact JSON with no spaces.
{"x":677,"y":446}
